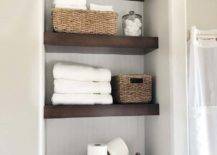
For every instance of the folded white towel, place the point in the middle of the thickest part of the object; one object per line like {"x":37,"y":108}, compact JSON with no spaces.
{"x":62,"y":86}
{"x":100,"y":7}
{"x":80,"y":73}
{"x":70,"y":2}
{"x":81,"y":99}
{"x":76,"y":7}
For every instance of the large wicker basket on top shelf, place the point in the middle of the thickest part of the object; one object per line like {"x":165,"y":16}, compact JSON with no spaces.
{"x":85,"y":21}
{"x":135,"y":88}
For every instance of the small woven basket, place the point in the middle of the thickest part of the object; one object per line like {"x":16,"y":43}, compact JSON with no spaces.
{"x":132,"y":88}
{"x":85,"y":21}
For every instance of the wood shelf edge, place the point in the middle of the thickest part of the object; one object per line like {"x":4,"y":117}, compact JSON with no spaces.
{"x":67,"y":111}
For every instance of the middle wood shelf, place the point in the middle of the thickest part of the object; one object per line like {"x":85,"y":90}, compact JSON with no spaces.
{"x":69,"y":111}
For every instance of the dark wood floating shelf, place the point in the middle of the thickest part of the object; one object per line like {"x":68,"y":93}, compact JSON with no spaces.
{"x":66,"y":39}
{"x":69,"y":111}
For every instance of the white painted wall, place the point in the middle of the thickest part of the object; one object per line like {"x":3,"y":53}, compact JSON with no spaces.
{"x":178,"y":76}
{"x":202,"y":13}
{"x":20,"y":81}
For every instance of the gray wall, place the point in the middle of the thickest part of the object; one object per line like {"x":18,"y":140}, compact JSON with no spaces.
{"x":158,"y":129}
{"x":71,"y":136}
{"x":202,"y":13}
{"x":21,"y":112}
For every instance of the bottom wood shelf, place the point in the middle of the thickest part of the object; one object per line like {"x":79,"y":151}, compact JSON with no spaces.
{"x":69,"y":111}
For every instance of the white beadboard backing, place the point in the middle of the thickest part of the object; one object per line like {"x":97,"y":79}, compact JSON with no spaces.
{"x":71,"y":136}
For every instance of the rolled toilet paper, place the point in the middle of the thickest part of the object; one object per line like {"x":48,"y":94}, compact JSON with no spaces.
{"x":117,"y":147}
{"x":97,"y":149}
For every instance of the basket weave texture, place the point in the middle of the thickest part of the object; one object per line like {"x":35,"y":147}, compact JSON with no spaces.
{"x":85,"y":21}
{"x":132,"y":88}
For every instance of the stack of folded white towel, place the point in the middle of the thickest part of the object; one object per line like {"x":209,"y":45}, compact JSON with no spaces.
{"x":71,"y":4}
{"x":76,"y":84}
{"x":80,"y":5}
{"x":97,"y":7}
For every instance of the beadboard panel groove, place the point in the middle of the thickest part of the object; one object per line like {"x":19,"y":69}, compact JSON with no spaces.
{"x":71,"y":136}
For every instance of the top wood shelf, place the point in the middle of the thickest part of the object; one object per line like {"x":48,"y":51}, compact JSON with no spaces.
{"x":66,"y":39}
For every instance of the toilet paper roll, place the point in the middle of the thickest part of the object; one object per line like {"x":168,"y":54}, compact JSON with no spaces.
{"x":117,"y":147}
{"x":97,"y":149}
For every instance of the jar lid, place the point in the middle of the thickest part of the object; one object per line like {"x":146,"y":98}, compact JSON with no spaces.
{"x":131,"y":12}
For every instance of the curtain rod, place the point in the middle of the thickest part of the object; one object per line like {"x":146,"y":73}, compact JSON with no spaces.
{"x":207,"y":36}
{"x":204,"y":36}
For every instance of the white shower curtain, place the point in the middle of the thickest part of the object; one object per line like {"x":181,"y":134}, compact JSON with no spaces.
{"x":202,"y":93}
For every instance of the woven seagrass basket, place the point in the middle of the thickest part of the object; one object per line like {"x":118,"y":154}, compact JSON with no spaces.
{"x":132,"y":88}
{"x":85,"y":21}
